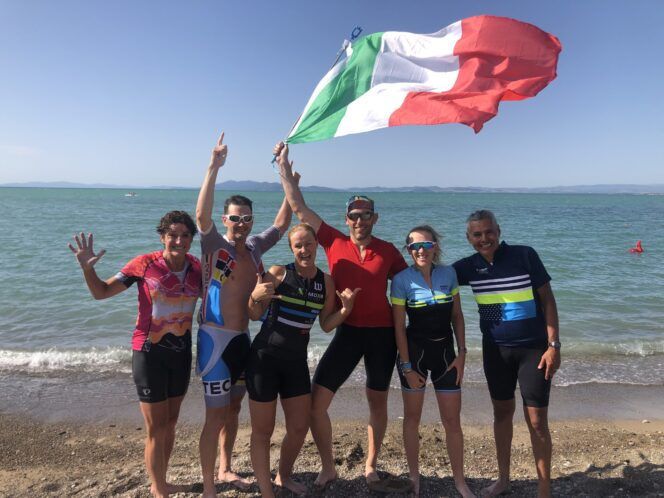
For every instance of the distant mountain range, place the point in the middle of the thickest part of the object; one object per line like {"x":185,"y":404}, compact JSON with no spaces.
{"x":251,"y":186}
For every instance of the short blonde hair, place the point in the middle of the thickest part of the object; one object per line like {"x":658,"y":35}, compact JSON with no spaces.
{"x":301,"y":226}
{"x":435,"y":237}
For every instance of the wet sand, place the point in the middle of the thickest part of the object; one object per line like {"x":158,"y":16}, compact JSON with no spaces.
{"x":603,"y":447}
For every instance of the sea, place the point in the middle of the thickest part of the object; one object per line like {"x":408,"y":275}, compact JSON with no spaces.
{"x":56,"y":339}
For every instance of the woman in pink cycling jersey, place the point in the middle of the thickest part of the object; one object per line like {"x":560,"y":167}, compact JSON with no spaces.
{"x":169,"y":283}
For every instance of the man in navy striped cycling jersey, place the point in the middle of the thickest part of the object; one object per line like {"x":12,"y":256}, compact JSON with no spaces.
{"x":520,"y":342}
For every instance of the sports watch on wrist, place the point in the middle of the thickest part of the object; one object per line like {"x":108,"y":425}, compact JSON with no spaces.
{"x":555,"y":345}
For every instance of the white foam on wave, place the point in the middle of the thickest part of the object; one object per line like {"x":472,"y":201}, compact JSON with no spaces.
{"x":94,"y":359}
{"x":633,"y":348}
{"x":640,"y":348}
{"x":599,"y":380}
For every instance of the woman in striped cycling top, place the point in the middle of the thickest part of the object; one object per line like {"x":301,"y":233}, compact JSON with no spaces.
{"x":428,"y":293}
{"x":290,"y":297}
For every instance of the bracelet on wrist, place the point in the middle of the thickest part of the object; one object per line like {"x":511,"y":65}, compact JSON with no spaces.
{"x":463,"y":350}
{"x":406,"y":366}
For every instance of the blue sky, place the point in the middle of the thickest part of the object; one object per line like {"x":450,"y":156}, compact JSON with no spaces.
{"x":136,"y":93}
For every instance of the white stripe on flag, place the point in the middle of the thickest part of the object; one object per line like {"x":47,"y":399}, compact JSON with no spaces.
{"x":407,"y":62}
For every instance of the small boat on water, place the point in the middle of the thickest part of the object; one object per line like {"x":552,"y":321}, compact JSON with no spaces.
{"x":131,"y":194}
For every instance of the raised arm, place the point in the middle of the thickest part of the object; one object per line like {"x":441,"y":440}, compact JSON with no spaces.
{"x":330,"y":318}
{"x":292,"y":190}
{"x":206,"y":195}
{"x":87,"y":258}
{"x":551,"y":357}
{"x":283,"y":219}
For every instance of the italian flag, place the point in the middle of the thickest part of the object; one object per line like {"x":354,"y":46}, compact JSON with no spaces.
{"x":457,"y":75}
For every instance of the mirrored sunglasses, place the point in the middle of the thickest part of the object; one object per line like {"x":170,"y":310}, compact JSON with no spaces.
{"x":236,"y":218}
{"x":363,"y":215}
{"x":416,"y":246}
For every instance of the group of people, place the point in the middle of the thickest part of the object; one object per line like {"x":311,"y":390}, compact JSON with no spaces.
{"x":415,"y":330}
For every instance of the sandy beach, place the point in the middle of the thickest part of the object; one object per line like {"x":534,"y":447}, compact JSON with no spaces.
{"x":598,"y":455}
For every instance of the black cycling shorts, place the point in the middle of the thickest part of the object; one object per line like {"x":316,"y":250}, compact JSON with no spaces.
{"x":504,"y":366}
{"x":268,"y":376}
{"x":161,"y":373}
{"x":376,"y":344}
{"x":435,"y":356}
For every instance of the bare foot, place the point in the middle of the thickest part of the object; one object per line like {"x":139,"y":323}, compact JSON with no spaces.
{"x":464,"y":490}
{"x":416,"y":487}
{"x":233,"y":479}
{"x":157,"y":493}
{"x":497,"y":488}
{"x":544,"y":489}
{"x":296,"y":487}
{"x":371,"y":475}
{"x":324,"y":478}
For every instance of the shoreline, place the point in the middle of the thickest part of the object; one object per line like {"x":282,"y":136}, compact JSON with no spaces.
{"x":85,"y":439}
{"x":591,"y":458}
{"x":111,"y":397}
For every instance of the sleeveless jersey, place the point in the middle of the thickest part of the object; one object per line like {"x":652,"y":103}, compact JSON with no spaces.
{"x":285,"y":330}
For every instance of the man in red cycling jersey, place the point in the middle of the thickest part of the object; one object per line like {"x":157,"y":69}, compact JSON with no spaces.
{"x":356,"y":260}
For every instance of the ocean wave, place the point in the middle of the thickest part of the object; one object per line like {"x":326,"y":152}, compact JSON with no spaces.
{"x":95,"y":359}
{"x":616,"y":349}
{"x":605,"y":381}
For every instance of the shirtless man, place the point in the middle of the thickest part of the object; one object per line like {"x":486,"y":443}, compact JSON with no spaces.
{"x":357,"y":260}
{"x":230,"y":265}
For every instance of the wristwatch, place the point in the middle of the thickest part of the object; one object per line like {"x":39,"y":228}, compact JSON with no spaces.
{"x":555,"y":345}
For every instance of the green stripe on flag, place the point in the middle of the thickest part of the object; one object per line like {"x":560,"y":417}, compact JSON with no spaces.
{"x":327,"y":111}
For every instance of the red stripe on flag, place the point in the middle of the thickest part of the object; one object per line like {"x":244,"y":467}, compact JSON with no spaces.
{"x":499,"y":59}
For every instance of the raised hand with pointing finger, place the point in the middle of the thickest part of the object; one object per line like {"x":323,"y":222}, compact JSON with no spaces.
{"x":219,"y":153}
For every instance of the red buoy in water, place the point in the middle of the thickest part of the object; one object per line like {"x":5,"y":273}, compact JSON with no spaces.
{"x":637,"y":248}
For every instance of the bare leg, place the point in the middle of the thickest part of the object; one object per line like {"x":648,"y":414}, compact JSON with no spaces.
{"x":412,"y":413}
{"x":321,"y":430}
{"x":262,"y":427}
{"x":173,"y":414}
{"x":503,"y":416}
{"x":156,"y":420}
{"x":540,"y":438}
{"x":449,"y":406}
{"x":297,"y":411}
{"x":214,"y":421}
{"x":375,"y":430}
{"x":227,"y":442}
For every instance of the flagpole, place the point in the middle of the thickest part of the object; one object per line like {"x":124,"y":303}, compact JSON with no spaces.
{"x":357,"y":31}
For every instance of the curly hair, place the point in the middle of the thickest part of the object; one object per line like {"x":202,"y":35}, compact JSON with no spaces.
{"x":173,"y":217}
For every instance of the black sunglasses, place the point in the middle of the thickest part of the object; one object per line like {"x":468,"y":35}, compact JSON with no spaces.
{"x":363,"y":215}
